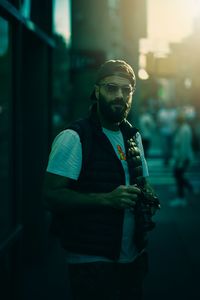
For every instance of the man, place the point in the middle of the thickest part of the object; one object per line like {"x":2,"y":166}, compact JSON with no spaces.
{"x":96,"y":189}
{"x":183,"y":156}
{"x":166,"y":123}
{"x":147,"y":127}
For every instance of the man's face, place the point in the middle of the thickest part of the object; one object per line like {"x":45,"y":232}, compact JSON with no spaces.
{"x":114,"y":94}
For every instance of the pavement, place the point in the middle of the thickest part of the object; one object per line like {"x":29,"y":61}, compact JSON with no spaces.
{"x":174,"y":245}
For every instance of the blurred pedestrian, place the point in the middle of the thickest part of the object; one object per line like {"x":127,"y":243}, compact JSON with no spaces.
{"x":166,"y":124}
{"x":183,"y":156}
{"x":146,"y":126}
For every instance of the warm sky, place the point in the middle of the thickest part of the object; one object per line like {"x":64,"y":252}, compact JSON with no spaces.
{"x":168,"y":21}
{"x":171,"y":20}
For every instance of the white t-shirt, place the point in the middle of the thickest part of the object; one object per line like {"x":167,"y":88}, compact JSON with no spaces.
{"x":66,"y":160}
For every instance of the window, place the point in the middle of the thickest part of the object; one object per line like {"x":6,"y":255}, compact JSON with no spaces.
{"x":62,"y":19}
{"x":61,"y":64}
{"x":25,"y":8}
{"x":5,"y":128}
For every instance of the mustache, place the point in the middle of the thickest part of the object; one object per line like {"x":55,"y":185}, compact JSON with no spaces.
{"x":120,"y":101}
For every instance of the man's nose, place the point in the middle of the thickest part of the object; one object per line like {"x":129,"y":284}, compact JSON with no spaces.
{"x":119,"y":93}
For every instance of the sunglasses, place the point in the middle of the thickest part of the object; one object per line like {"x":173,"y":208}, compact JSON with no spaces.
{"x":112,"y":89}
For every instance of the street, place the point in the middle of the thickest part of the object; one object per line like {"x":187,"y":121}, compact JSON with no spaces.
{"x":174,"y":245}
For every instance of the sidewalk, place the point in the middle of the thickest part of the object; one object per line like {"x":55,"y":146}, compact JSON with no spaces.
{"x":174,"y":245}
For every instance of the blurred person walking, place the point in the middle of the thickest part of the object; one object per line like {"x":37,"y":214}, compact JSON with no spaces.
{"x":146,"y":126}
{"x":97,"y":189}
{"x":183,"y":156}
{"x":166,"y":124}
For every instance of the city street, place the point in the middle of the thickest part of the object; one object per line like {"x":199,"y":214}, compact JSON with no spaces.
{"x":174,"y":245}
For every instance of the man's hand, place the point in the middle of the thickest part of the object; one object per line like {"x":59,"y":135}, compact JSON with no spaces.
{"x":122,"y":197}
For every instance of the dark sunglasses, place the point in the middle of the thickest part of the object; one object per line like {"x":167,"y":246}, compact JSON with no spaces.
{"x":112,"y":88}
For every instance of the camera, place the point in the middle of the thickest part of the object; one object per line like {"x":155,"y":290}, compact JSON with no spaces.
{"x":144,"y":210}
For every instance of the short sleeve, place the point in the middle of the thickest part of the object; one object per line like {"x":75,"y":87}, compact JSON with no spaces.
{"x":144,"y":162}
{"x":65,"y":158}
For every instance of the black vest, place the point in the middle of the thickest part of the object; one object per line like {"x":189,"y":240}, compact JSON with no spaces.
{"x":97,"y":231}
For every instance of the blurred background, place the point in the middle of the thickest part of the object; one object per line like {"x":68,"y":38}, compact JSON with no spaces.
{"x":50,"y":51}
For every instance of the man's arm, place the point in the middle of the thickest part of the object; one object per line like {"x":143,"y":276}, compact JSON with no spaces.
{"x":60,"y":198}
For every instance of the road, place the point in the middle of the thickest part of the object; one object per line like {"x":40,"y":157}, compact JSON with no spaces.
{"x":174,"y":245}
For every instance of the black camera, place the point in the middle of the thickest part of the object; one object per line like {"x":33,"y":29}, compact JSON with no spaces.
{"x":145,"y":207}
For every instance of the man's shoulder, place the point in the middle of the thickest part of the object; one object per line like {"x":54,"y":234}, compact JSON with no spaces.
{"x":81,"y":126}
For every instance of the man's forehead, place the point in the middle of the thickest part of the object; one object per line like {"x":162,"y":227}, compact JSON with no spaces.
{"x":116,"y":79}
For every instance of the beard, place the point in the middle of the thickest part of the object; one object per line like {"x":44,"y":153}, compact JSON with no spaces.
{"x":114,"y":111}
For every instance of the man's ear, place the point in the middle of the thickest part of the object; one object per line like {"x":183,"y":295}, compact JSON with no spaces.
{"x":96,"y":90}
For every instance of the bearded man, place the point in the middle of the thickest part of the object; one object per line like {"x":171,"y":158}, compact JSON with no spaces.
{"x":96,"y":188}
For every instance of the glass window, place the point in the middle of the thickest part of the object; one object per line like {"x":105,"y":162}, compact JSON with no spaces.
{"x":5,"y":128}
{"x":62,"y":19}
{"x":61,"y":64}
{"x":38,"y":14}
{"x":25,"y":8}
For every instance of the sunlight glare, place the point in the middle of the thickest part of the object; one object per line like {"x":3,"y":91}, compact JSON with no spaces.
{"x":171,"y":20}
